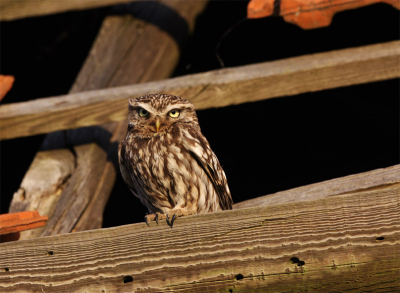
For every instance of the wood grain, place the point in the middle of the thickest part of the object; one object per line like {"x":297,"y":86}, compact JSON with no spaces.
{"x":139,"y":46}
{"x":206,"y":90}
{"x":348,"y":242}
{"x":375,"y":179}
{"x":92,"y":217}
{"x":11,"y":9}
{"x":43,"y":185}
{"x":81,"y":187}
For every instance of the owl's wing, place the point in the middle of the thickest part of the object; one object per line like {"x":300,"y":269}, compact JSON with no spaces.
{"x":198,"y":145}
{"x":126,"y":175}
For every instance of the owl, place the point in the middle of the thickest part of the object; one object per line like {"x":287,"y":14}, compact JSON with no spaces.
{"x":168,"y":163}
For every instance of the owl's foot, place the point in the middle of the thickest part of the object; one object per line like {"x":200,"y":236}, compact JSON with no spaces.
{"x":153,"y":217}
{"x":172,"y":220}
{"x":170,"y":216}
{"x":177,"y":213}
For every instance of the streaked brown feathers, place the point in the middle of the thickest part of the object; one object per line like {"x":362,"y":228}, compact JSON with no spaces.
{"x":171,"y":167}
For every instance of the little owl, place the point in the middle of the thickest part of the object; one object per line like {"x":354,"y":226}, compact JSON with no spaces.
{"x":167,"y":162}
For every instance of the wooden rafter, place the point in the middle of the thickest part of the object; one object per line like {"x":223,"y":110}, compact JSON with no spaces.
{"x":348,"y":242}
{"x":206,"y":90}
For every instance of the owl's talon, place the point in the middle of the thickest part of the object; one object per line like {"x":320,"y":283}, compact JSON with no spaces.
{"x":156,"y":218}
{"x":168,"y":221}
{"x":147,"y":222}
{"x":172,"y":220}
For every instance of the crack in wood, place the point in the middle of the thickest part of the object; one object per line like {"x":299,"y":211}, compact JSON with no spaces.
{"x":193,"y":98}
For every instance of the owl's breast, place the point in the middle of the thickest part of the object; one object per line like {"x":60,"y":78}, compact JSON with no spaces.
{"x":169,"y":168}
{"x":172,"y":177}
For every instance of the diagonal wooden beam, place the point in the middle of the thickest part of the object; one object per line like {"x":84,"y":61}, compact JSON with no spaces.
{"x":206,"y":90}
{"x":91,"y":161}
{"x":342,"y":243}
{"x":43,"y":183}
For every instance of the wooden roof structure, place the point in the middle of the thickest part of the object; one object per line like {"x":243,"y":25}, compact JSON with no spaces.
{"x":341,"y":234}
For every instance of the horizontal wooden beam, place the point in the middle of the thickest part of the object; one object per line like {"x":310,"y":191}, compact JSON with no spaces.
{"x":347,"y":242}
{"x":375,"y":179}
{"x":12,"y":9}
{"x":218,"y":88}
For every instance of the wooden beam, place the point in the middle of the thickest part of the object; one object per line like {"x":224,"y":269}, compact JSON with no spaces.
{"x":348,"y":242}
{"x":375,"y":179}
{"x":206,"y":90}
{"x":11,"y":9}
{"x":42,"y":185}
{"x":92,"y":216}
{"x":90,"y":163}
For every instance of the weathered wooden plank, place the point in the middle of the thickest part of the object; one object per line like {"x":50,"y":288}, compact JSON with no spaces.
{"x":212,"y":89}
{"x":92,"y":217}
{"x":139,"y":46}
{"x":348,"y":242}
{"x":12,"y":9}
{"x":90,"y":162}
{"x":375,"y":179}
{"x":42,"y":185}
{"x":117,"y":36}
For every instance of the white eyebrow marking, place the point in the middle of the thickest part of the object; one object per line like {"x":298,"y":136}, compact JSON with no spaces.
{"x":145,"y":106}
{"x":177,"y":106}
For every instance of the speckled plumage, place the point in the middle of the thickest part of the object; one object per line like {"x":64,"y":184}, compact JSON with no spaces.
{"x":173,"y":168}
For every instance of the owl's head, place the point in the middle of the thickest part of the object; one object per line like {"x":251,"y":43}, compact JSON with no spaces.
{"x":159,"y":113}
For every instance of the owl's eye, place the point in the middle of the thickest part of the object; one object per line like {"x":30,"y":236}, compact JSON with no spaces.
{"x":143,"y":113}
{"x":174,"y":113}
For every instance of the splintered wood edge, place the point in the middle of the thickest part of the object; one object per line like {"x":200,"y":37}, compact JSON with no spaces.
{"x":218,"y":88}
{"x":343,"y":239}
{"x":81,"y":187}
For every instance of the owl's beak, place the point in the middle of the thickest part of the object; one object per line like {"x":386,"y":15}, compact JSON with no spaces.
{"x":158,"y":123}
